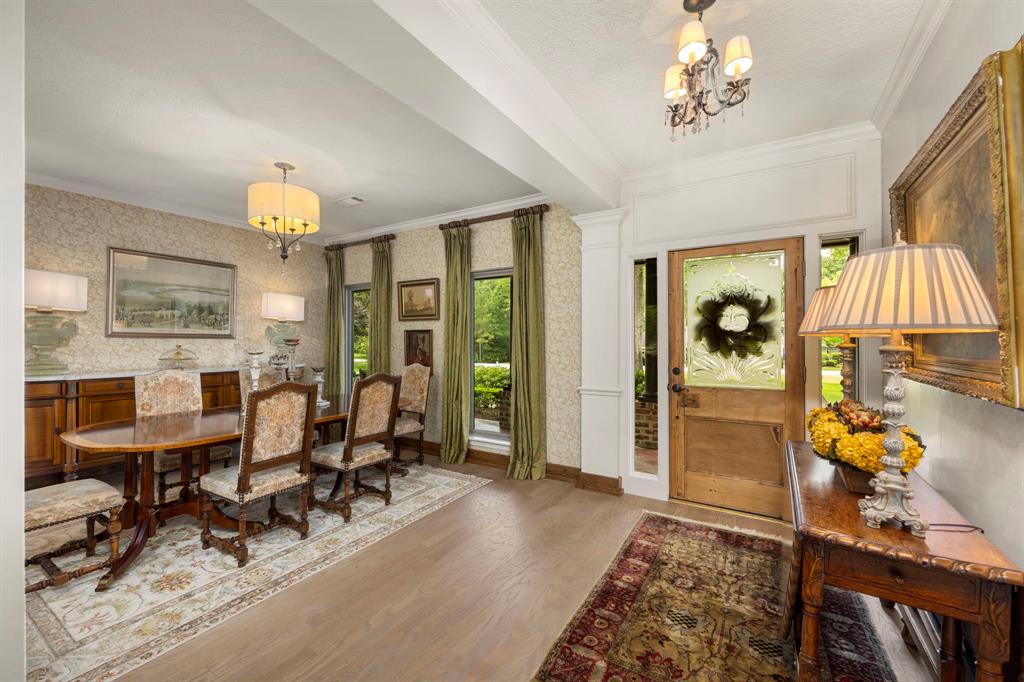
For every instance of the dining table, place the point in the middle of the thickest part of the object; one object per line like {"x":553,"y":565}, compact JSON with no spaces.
{"x":176,"y":432}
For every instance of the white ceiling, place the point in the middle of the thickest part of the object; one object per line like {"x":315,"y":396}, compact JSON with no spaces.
{"x":818,"y":64}
{"x":182,"y":106}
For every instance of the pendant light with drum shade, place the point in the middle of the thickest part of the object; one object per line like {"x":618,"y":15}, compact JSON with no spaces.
{"x":912,"y":289}
{"x":284,"y":213}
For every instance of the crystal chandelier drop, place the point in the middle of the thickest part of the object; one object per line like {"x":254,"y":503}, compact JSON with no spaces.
{"x":283,"y":213}
{"x":692,"y":84}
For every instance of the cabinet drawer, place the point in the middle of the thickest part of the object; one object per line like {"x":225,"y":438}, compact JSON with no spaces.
{"x":100,"y":386}
{"x":46,"y":389}
{"x":895,"y":579}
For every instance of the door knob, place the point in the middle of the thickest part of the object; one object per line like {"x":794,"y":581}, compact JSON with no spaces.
{"x":676,"y":388}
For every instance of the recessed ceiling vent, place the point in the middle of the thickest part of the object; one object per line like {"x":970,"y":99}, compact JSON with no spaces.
{"x":350,"y":200}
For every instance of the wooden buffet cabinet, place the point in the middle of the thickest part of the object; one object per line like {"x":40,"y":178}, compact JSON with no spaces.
{"x":53,"y":406}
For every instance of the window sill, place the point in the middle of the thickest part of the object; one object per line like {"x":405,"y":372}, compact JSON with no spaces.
{"x":489,"y":444}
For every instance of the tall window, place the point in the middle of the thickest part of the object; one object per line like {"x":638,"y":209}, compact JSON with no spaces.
{"x":357,"y":330}
{"x":834,"y":254}
{"x":645,"y":365}
{"x":491,"y":336}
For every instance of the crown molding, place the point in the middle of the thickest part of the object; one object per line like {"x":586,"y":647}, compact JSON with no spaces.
{"x":141,"y":199}
{"x":435,"y":220}
{"x":613,"y":216}
{"x":922,"y":32}
{"x":864,"y":130}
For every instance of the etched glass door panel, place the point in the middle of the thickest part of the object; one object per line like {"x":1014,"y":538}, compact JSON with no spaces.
{"x":734,"y":334}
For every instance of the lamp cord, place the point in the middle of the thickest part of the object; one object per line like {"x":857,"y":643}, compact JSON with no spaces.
{"x":951,"y":528}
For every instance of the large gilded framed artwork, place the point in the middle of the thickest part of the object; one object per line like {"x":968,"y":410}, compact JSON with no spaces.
{"x":964,"y":186}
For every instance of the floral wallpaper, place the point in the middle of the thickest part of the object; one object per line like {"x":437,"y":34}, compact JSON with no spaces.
{"x":419,"y":254}
{"x":70,"y":233}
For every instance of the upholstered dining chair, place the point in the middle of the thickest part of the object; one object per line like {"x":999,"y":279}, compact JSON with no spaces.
{"x":163,"y":392}
{"x":369,"y":441}
{"x":277,"y":438}
{"x":412,"y":408}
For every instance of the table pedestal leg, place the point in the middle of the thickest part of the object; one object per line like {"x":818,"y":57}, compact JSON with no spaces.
{"x":994,"y":631}
{"x":141,"y":513}
{"x":951,"y":668}
{"x":812,"y":591}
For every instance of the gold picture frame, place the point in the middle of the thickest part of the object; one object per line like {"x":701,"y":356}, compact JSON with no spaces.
{"x":419,"y":299}
{"x":964,"y":186}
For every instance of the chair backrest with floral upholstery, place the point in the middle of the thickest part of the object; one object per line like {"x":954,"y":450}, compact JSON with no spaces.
{"x":166,"y":391}
{"x":415,"y":386}
{"x":278,"y":429}
{"x":372,"y":412}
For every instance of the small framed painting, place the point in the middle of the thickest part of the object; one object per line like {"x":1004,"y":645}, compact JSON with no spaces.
{"x":150,"y":295}
{"x":418,"y":299}
{"x":419,"y":347}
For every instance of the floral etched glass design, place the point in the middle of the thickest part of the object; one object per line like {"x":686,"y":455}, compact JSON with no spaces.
{"x":735,"y":326}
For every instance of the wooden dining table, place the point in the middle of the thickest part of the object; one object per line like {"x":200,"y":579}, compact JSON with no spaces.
{"x":177,"y":432}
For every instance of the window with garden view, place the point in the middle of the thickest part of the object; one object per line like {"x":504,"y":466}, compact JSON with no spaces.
{"x":358,"y":320}
{"x":834,"y":254}
{"x":491,"y":336}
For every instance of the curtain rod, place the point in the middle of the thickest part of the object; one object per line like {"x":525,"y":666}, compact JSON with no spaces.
{"x":466,"y":222}
{"x":345,"y":245}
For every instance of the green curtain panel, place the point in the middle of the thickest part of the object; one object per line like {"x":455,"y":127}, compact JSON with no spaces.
{"x":456,"y":397}
{"x":379,"y":359}
{"x":528,"y":452}
{"x":334,"y":347}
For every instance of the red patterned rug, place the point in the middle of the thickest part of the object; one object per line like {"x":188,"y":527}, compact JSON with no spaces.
{"x":682,"y":601}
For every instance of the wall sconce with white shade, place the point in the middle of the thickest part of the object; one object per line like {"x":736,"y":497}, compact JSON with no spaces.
{"x":284,"y":309}
{"x":46,"y":292}
{"x":913,"y":289}
{"x":811,"y":326}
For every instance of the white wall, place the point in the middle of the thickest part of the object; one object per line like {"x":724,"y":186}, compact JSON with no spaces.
{"x":824,"y":184}
{"x":975,"y":457}
{"x":12,"y":426}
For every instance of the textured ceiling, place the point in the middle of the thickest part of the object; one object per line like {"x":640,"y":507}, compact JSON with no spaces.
{"x":817,"y":64}
{"x":182,"y":106}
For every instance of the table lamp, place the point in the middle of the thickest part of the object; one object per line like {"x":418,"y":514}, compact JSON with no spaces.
{"x":284,"y":308}
{"x":47,"y":291}
{"x":913,"y":289}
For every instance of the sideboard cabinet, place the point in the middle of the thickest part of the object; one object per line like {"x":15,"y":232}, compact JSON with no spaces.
{"x":54,"y":406}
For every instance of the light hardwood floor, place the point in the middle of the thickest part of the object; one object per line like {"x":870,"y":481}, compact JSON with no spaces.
{"x":478,"y":590}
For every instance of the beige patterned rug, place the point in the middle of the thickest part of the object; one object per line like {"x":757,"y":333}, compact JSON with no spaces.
{"x":177,"y":590}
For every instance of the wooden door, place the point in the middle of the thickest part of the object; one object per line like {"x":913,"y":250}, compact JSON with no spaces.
{"x":736,"y":372}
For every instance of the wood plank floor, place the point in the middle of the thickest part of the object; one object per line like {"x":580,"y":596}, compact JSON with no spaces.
{"x":478,"y":590}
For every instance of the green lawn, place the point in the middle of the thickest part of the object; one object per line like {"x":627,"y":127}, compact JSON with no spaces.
{"x":359,"y":363}
{"x":831,"y":388}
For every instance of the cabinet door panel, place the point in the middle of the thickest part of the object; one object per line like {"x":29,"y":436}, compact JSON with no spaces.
{"x":43,"y":421}
{"x":96,"y":409}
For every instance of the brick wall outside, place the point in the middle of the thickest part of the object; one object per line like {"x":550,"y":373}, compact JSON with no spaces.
{"x":645,"y":425}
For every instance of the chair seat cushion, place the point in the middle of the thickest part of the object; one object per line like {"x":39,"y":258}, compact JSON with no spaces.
{"x":68,"y":501}
{"x":362,"y":455}
{"x":224,"y":482}
{"x":171,"y":461}
{"x":406,"y":425}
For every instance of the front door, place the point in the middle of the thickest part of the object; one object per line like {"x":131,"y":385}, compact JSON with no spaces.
{"x":736,"y":372}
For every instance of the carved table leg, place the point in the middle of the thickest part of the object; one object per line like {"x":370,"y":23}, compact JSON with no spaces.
{"x":952,"y":666}
{"x":812,"y":594}
{"x":130,"y":490}
{"x":143,"y":516}
{"x":994,"y":633}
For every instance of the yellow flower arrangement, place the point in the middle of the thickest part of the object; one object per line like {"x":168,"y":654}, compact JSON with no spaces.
{"x":835,"y":437}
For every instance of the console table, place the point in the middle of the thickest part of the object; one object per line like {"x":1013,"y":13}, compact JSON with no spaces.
{"x":959,"y":575}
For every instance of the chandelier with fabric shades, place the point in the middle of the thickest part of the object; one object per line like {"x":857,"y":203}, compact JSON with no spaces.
{"x":692,"y":84}
{"x":284,"y":213}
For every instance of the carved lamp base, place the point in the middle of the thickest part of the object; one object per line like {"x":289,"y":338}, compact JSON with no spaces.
{"x":893,"y":494}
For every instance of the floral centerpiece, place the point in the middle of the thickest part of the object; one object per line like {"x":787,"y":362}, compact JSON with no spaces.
{"x":852,"y":435}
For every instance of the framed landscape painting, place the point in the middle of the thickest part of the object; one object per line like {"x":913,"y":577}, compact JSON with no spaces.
{"x":418,"y":300}
{"x":151,"y":295}
{"x":956,"y":190}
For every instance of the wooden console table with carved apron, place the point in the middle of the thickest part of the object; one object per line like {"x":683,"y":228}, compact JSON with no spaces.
{"x":959,"y":575}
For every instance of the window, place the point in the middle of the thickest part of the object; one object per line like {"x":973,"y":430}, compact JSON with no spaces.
{"x":491,"y":338}
{"x":834,"y":254}
{"x":357,"y":330}
{"x":645,"y":365}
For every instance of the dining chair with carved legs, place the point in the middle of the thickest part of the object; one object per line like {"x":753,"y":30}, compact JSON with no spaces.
{"x":412,"y":408}
{"x":277,"y":438}
{"x":163,"y":392}
{"x":369,"y":441}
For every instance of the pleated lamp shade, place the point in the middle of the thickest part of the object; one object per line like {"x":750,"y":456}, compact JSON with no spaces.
{"x":812,"y":322}
{"x":911,"y":288}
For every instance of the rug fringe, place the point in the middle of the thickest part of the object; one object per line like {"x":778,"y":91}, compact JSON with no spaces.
{"x":739,"y":530}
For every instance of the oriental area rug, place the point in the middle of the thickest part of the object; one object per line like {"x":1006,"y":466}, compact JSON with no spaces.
{"x":176,"y":590}
{"x":682,"y":601}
